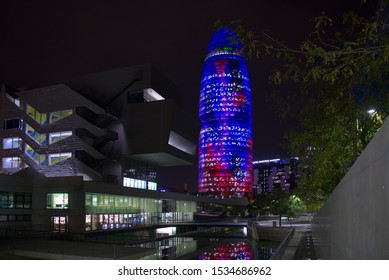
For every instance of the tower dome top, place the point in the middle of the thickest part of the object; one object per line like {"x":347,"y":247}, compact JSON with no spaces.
{"x":224,"y":37}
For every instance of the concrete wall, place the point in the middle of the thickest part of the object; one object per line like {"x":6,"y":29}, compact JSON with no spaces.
{"x":354,"y":223}
{"x":15,"y":184}
{"x":76,"y":212}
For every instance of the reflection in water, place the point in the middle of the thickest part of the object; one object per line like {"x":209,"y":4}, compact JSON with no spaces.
{"x":229,"y":251}
{"x":204,"y":244}
{"x":201,"y":248}
{"x":171,"y":248}
{"x":266,"y":251}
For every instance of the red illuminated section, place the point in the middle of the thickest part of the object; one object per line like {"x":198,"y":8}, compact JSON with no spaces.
{"x":230,"y":251}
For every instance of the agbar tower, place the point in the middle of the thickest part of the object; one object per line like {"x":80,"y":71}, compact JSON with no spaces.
{"x":225,"y":142}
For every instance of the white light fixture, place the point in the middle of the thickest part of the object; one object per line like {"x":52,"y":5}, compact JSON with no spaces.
{"x":372,"y":111}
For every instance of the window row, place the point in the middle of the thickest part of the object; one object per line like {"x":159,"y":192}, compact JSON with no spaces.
{"x":15,"y":218}
{"x":16,"y":162}
{"x":41,"y":118}
{"x":23,"y":200}
{"x":122,"y":221}
{"x":103,"y":203}
{"x":15,"y":200}
{"x":139,"y":184}
{"x":16,"y":142}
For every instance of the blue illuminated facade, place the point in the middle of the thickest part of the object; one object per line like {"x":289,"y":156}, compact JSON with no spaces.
{"x":225,"y":142}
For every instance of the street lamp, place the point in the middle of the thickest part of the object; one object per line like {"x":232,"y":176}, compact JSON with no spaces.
{"x":372,"y":111}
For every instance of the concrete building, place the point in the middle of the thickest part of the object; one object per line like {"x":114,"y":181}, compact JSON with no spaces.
{"x":89,"y":126}
{"x":81,"y":155}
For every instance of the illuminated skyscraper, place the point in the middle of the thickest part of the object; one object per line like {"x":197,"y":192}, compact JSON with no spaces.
{"x":225,"y":142}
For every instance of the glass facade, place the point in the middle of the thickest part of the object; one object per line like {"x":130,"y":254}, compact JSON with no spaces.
{"x":105,"y":211}
{"x":225,"y":142}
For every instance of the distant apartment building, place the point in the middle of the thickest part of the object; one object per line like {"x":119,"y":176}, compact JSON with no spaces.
{"x":275,"y":173}
{"x":81,"y":155}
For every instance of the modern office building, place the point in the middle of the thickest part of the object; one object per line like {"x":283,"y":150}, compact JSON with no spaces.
{"x":225,"y":142}
{"x":275,"y":173}
{"x":81,"y":155}
{"x":100,"y":126}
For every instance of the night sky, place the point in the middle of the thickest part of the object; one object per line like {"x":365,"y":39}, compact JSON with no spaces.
{"x":46,"y":42}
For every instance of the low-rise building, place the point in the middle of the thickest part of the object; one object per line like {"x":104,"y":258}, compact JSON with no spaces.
{"x":81,"y":155}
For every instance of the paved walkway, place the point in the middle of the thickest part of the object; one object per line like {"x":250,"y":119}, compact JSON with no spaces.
{"x":301,"y":246}
{"x":306,"y":250}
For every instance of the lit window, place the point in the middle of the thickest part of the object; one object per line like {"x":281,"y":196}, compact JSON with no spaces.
{"x":12,"y":162}
{"x":14,"y":99}
{"x":12,"y":143}
{"x":38,"y":158}
{"x":58,"y":136}
{"x":59,"y":223}
{"x":41,"y":118}
{"x":56,"y":116}
{"x":152,"y":186}
{"x":34,"y":135}
{"x":55,"y":158}
{"x":57,"y":200}
{"x":134,"y":183}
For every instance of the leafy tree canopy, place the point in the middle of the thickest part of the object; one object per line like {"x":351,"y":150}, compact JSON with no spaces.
{"x":343,"y":92}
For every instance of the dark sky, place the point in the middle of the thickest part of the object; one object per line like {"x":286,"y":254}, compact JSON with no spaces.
{"x":46,"y":42}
